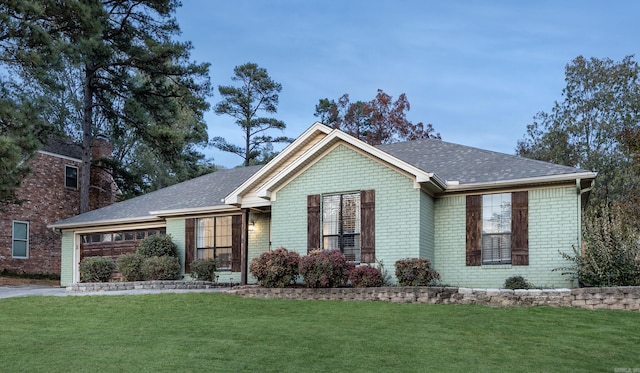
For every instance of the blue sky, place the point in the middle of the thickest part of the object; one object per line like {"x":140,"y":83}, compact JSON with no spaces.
{"x":477,"y":70}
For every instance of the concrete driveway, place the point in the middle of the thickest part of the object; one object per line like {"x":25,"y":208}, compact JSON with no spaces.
{"x":35,"y":290}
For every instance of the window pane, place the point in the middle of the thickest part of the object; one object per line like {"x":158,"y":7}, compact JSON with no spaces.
{"x":223,"y":231}
{"x":71,"y":177}
{"x":117,"y":236}
{"x":204,"y":237}
{"x":351,"y":213}
{"x":19,"y":248}
{"x":140,"y":235}
{"x":205,"y":253}
{"x":496,"y":228}
{"x":106,"y":237}
{"x":223,"y":257}
{"x":128,"y":236}
{"x":331,"y":242}
{"x":330,"y":215}
{"x":20,"y":231}
{"x":96,"y":237}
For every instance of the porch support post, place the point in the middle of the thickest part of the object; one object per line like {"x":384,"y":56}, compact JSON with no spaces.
{"x":244,"y":248}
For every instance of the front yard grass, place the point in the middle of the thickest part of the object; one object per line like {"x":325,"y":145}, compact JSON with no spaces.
{"x":223,"y":333}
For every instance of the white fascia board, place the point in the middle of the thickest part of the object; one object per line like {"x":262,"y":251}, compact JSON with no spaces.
{"x":233,"y":198}
{"x":60,"y":156}
{"x":419,"y":175}
{"x":105,"y":222}
{"x":452,"y":187}
{"x":192,"y":211}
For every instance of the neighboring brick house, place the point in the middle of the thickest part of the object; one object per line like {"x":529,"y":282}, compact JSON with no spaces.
{"x":50,"y":193}
{"x":477,"y":215}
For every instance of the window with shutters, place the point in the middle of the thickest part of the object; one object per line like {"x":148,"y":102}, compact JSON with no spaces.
{"x":214,"y":240}
{"x":496,"y":228}
{"x":341,"y":224}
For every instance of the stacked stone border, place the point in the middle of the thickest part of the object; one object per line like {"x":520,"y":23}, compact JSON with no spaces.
{"x":611,"y":298}
{"x":90,"y":287}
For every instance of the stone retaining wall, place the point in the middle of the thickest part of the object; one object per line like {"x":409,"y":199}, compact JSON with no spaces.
{"x":85,"y":287}
{"x":616,"y":298}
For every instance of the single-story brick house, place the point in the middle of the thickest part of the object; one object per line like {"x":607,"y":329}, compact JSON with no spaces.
{"x":478,"y":215}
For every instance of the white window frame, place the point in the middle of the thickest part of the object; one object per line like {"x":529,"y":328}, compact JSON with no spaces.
{"x":14,"y":239}
{"x":495,"y":231}
{"x":353,"y":253}
{"x":66,"y":167}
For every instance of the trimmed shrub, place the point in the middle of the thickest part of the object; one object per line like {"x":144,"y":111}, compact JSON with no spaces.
{"x":96,"y":269}
{"x":325,"y":269}
{"x":277,"y":268}
{"x":366,"y":276}
{"x":160,"y":268}
{"x":204,"y":269}
{"x":516,"y":282}
{"x":130,"y":266}
{"x":158,"y":245}
{"x":415,"y":272}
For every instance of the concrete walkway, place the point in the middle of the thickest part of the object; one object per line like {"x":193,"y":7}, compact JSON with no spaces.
{"x":34,"y":290}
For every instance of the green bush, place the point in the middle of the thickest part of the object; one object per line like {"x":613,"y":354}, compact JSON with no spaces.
{"x":277,"y":268}
{"x":96,"y":269}
{"x":516,"y":282}
{"x":130,"y":266}
{"x":325,"y":269}
{"x":204,"y":269}
{"x":611,"y":256}
{"x":366,"y":276}
{"x":158,"y":245}
{"x":415,"y":272}
{"x":160,"y":268}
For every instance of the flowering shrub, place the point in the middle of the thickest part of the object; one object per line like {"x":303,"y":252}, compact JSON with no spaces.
{"x":129,"y":265}
{"x":366,"y":276}
{"x":415,"y":272}
{"x":325,"y":269}
{"x":160,"y":268}
{"x":276,"y":268}
{"x":204,"y":269}
{"x":96,"y":269}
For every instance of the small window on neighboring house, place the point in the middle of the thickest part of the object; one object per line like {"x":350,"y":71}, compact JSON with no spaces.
{"x":20,"y":239}
{"x":71,"y":177}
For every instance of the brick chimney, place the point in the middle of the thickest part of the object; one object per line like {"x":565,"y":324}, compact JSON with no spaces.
{"x":103,"y":189}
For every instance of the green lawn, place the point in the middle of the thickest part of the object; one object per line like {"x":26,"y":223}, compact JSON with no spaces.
{"x":217,"y":332}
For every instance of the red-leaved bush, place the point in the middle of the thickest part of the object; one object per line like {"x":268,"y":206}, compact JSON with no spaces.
{"x":325,"y":269}
{"x":277,"y":268}
{"x":366,"y":276}
{"x":415,"y":272}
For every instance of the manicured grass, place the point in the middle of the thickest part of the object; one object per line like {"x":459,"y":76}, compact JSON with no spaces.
{"x":217,"y":332}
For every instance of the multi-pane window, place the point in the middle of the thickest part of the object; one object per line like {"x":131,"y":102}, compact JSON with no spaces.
{"x":20,"y":239}
{"x":496,"y":228}
{"x":134,"y":235}
{"x":341,"y":224}
{"x":71,"y":177}
{"x":214,"y":240}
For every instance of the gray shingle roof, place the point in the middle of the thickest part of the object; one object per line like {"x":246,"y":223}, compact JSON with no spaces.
{"x":63,"y":146}
{"x":467,"y":165}
{"x":451,"y":162}
{"x":204,"y":191}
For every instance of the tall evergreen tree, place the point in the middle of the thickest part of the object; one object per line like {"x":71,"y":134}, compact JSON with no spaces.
{"x":132,"y":78}
{"x":257,"y":92}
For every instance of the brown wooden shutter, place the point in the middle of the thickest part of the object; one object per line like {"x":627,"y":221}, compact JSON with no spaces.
{"x":368,"y":226}
{"x":313,"y":222}
{"x":474,"y":230}
{"x":189,"y":243}
{"x":520,"y":228}
{"x":236,"y":243}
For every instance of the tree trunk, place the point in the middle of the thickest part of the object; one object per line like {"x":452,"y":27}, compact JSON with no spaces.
{"x":85,"y":174}
{"x":247,"y":143}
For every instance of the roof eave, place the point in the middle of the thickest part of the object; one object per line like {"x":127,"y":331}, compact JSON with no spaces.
{"x":552,"y":179}
{"x":193,"y":211}
{"x":96,"y":223}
